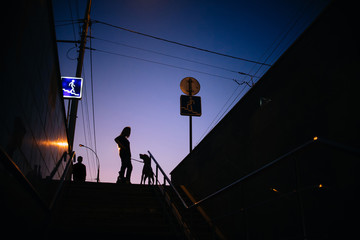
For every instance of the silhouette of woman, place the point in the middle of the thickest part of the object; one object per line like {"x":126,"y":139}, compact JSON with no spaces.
{"x":125,"y":155}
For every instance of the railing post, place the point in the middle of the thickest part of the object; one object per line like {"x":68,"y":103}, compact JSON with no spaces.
{"x":156,"y":174}
{"x":167,"y":179}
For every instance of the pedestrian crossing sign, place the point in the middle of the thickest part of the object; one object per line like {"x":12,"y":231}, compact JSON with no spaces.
{"x":190,"y":105}
{"x":72,"y":87}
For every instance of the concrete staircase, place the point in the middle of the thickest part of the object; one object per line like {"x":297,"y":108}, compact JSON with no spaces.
{"x":109,"y":211}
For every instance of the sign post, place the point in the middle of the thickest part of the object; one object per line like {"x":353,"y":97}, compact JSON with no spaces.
{"x":189,"y":104}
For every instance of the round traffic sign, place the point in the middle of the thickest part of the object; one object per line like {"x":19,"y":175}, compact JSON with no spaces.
{"x":190,"y":86}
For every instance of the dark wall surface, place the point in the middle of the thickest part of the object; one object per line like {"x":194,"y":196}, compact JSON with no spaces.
{"x":313,"y":91}
{"x":32,"y":123}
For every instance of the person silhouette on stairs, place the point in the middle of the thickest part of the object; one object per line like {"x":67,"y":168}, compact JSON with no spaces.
{"x":79,"y":170}
{"x":125,"y":155}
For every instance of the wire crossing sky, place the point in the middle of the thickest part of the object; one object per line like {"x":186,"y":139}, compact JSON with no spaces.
{"x":172,"y":56}
{"x":181,"y":44}
{"x":134,"y":78}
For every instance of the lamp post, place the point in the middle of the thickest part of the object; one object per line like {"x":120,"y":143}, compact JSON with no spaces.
{"x":98,"y":162}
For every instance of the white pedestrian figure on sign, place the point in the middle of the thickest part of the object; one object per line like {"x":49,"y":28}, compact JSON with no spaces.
{"x":72,"y":85}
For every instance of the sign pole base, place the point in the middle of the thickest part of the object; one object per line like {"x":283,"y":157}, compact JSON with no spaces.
{"x":190,"y":129}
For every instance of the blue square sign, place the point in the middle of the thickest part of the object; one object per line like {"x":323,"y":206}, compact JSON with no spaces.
{"x":72,"y":87}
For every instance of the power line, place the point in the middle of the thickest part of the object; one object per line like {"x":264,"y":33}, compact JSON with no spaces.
{"x":172,"y":56}
{"x":83,"y":119}
{"x":217,"y":118}
{"x":280,"y":39}
{"x":170,"y":65}
{"x":180,"y":44}
{"x":92,"y":92}
{"x":87,"y":124}
{"x":72,"y":22}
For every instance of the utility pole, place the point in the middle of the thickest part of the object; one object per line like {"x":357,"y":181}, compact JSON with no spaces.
{"x":74,"y":102}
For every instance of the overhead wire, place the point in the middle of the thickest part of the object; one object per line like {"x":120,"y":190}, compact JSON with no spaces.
{"x":239,"y":83}
{"x":92,"y":91}
{"x":90,"y":162}
{"x":170,"y":65}
{"x":85,"y":135}
{"x":172,"y":56}
{"x":87,"y":129}
{"x":86,"y":118}
{"x":178,"y":43}
{"x":300,"y":13}
{"x":72,"y":21}
{"x":91,"y":136}
{"x":311,"y":3}
{"x":88,"y":138}
{"x":208,"y":128}
{"x":88,"y":135}
{"x":218,"y":117}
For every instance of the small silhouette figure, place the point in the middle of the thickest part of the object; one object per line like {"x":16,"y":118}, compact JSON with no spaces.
{"x":79,"y":171}
{"x":147,"y":171}
{"x":125,"y":155}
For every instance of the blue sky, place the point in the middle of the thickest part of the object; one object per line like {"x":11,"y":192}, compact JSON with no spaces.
{"x":130,"y":89}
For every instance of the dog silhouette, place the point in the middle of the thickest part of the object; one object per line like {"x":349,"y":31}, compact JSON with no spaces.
{"x":147,"y":171}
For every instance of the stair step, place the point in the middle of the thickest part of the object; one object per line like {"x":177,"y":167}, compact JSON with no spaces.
{"x":112,"y":210}
{"x":118,"y":234}
{"x":123,"y":231}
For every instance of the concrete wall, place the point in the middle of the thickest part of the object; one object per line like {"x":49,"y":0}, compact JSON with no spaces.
{"x":313,"y":89}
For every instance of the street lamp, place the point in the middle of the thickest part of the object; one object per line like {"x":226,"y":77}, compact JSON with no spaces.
{"x":98,"y":162}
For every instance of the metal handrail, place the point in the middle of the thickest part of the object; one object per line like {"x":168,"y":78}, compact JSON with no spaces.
{"x":16,"y":172}
{"x":62,"y":179}
{"x":53,"y":172}
{"x":168,"y":200}
{"x":14,"y":169}
{"x":254,"y":172}
{"x":315,"y":139}
{"x":167,"y":179}
{"x":186,"y":228}
{"x":266,"y":166}
{"x":231,"y":184}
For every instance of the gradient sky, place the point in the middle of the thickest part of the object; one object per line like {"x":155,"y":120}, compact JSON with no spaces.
{"x":132,"y":90}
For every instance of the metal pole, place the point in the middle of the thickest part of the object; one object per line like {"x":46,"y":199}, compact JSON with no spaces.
{"x":190,"y":117}
{"x":74,"y":102}
{"x":157,"y":174}
{"x":190,"y":129}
